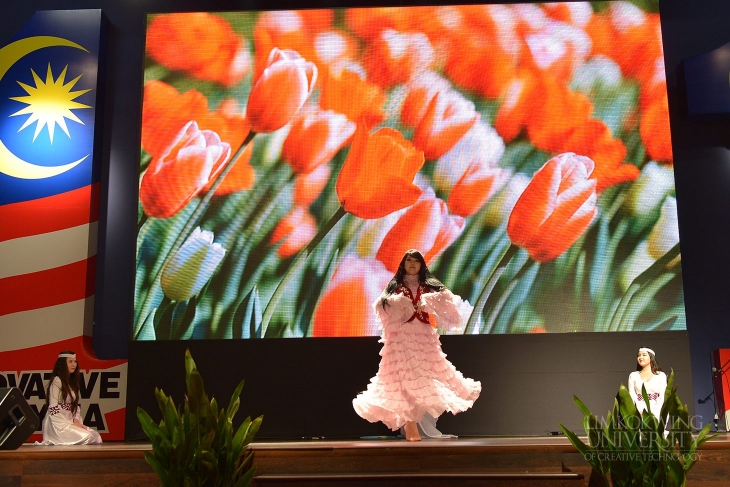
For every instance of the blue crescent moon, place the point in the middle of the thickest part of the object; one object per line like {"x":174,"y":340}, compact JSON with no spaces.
{"x":10,"y":164}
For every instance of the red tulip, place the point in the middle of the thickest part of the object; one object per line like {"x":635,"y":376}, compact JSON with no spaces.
{"x":426,"y":226}
{"x":346,"y":91}
{"x":448,"y":118}
{"x":475,"y":188}
{"x":184,"y":41}
{"x":281,"y":91}
{"x":165,"y":112}
{"x":241,"y":176}
{"x":654,"y":128}
{"x":333,"y":47}
{"x":481,"y":145}
{"x":281,"y":29}
{"x":193,"y":159}
{"x":345,"y":308}
{"x":309,"y":186}
{"x":296,"y":230}
{"x":556,"y":208}
{"x":420,"y":93}
{"x":315,"y":137}
{"x":377,"y":177}
{"x":395,"y":57}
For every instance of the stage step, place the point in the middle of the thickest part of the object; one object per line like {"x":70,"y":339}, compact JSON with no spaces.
{"x":424,"y":480}
{"x":491,"y":462}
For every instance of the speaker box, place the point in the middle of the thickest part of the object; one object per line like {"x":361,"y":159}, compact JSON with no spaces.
{"x":17,"y":420}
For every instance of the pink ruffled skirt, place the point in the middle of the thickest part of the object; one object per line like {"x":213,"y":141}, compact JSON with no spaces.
{"x":413,"y":378}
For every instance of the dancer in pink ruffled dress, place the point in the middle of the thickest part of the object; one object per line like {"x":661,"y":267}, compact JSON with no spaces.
{"x":414,"y":377}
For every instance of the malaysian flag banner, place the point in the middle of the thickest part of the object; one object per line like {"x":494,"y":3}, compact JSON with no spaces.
{"x":50,"y":101}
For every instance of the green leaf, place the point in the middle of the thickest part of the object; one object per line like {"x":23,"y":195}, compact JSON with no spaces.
{"x":253,"y":429}
{"x":157,"y":467}
{"x":197,"y":398}
{"x":235,"y":401}
{"x":247,"y":318}
{"x":149,"y":427}
{"x":189,"y":367}
{"x":246,"y":479}
{"x":583,"y":408}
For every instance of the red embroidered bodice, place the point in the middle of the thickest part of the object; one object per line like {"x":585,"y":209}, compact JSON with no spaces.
{"x":422,"y":289}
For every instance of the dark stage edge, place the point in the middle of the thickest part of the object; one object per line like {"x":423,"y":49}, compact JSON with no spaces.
{"x":492,"y":461}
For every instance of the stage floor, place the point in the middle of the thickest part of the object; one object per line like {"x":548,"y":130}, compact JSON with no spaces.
{"x":493,"y":461}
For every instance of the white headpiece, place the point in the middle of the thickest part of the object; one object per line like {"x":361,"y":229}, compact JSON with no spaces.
{"x":66,"y":355}
{"x":648,"y":350}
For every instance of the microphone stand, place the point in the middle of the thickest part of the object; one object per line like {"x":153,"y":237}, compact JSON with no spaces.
{"x":716,"y":373}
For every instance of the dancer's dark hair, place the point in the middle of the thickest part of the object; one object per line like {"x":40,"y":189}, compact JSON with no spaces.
{"x":69,"y":382}
{"x":652,"y":362}
{"x":424,"y":276}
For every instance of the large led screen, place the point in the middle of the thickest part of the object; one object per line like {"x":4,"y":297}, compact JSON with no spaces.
{"x":290,"y":158}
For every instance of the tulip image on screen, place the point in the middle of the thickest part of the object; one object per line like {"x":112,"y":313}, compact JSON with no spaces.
{"x":290,"y":158}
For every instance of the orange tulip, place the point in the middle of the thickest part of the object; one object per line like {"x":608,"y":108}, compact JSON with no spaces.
{"x":184,"y":41}
{"x":481,"y":145}
{"x":309,"y":186}
{"x":420,"y":93}
{"x":282,"y":29}
{"x":317,"y":20}
{"x":654,"y":129}
{"x":377,"y":176}
{"x":517,"y":106}
{"x":333,"y":47}
{"x":557,"y":49}
{"x":426,"y":226}
{"x":241,"y":176}
{"x":281,"y":90}
{"x":448,"y":118}
{"x":630,"y":36}
{"x":474,"y":52}
{"x":557,"y":112}
{"x":556,"y":208}
{"x":593,"y":139}
{"x":296,"y":230}
{"x":315,"y":137}
{"x":193,"y":159}
{"x":395,"y":57}
{"x":576,"y":13}
{"x":345,"y":309}
{"x":368,"y":23}
{"x":346,"y":91}
{"x":165,"y":112}
{"x":475,"y":188}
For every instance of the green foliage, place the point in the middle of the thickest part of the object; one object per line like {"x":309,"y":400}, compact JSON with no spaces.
{"x":195,"y":444}
{"x":632,"y":449}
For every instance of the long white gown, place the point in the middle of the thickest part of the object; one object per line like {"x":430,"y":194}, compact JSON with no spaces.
{"x":414,"y":377}
{"x":58,"y":425}
{"x":655,"y":388}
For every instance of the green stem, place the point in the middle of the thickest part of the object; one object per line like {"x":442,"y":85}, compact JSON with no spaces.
{"x":504,"y":297}
{"x":296,"y":267}
{"x":489,"y":286}
{"x":142,"y":221}
{"x":193,"y":222}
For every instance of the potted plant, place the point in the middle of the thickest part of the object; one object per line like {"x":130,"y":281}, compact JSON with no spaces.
{"x":631,"y":449}
{"x":194,"y":444}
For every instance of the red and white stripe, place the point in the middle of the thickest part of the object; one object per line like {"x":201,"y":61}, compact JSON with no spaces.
{"x":48,"y":268}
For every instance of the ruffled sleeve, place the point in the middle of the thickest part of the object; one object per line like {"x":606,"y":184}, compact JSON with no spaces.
{"x":450,"y":310}
{"x":399,"y":309}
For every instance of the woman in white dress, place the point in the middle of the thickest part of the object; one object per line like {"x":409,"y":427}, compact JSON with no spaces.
{"x":652,"y":378}
{"x":414,"y":378}
{"x":62,"y":424}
